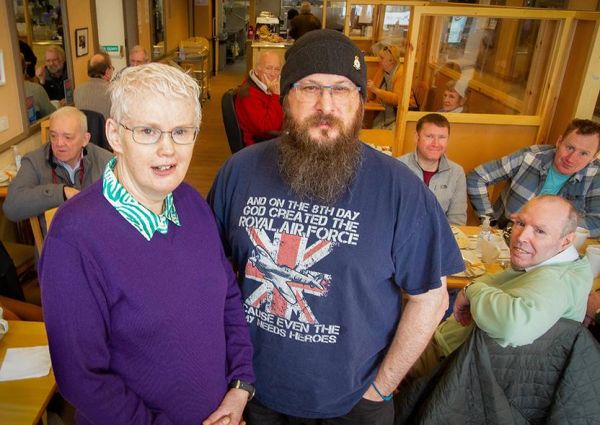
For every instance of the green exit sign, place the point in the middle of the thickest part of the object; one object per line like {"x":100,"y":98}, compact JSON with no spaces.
{"x":111,"y":48}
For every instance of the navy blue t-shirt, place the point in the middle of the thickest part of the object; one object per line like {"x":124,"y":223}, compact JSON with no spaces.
{"x":321,"y":285}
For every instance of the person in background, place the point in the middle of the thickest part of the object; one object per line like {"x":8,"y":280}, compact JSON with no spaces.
{"x":304,"y":22}
{"x":93,"y":95}
{"x":56,"y":171}
{"x":446,"y":179}
{"x":30,"y":60}
{"x":386,"y":86}
{"x":54,"y":73}
{"x":291,"y":14}
{"x":138,"y":56}
{"x":139,"y":299}
{"x":257,"y":105}
{"x":322,"y":271}
{"x":41,"y":102}
{"x":454,"y":97}
{"x":569,"y":169}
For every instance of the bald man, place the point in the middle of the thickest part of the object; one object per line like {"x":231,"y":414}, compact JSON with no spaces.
{"x":257,"y":104}
{"x":547,"y":281}
{"x":92,"y":95}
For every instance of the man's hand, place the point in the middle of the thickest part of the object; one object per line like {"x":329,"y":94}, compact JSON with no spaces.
{"x":70,"y":192}
{"x":274,"y":86}
{"x":462,"y":309}
{"x":593,"y":305}
{"x":370,"y":85}
{"x":230,"y":410}
{"x":40,"y":72}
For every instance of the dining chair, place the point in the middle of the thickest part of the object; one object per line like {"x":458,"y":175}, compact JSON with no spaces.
{"x":40,"y":229}
{"x":44,"y":130}
{"x":232,"y":127}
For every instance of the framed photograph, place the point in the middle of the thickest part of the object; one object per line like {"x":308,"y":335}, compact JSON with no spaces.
{"x":81,"y":41}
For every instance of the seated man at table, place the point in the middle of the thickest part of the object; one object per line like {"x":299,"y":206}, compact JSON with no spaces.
{"x":547,"y":281}
{"x":257,"y":106}
{"x":446,"y":179}
{"x":58,"y":170}
{"x":570,"y":170}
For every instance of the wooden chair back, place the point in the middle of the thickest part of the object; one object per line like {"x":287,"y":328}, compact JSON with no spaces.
{"x":45,"y":130}
{"x":36,"y":228}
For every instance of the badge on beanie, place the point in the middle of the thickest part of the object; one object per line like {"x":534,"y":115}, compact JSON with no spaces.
{"x":356,"y":63}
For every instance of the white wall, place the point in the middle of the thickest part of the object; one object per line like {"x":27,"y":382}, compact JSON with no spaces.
{"x":111,"y":29}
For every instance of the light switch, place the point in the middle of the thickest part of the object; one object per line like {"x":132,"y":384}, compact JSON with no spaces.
{"x":3,"y":123}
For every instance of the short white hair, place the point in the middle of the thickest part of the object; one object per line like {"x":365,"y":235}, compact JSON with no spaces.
{"x":67,"y":111}
{"x":146,"y":82}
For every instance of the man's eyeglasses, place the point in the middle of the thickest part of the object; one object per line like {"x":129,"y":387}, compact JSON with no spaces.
{"x":148,"y":135}
{"x":310,"y":92}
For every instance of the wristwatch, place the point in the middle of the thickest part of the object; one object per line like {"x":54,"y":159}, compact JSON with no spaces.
{"x":241,"y":385}
{"x":464,"y":289}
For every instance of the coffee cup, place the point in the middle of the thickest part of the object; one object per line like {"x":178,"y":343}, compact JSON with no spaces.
{"x":581,"y":234}
{"x":593,"y":255}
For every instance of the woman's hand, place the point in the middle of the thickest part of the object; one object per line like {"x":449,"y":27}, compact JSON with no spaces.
{"x":230,"y":410}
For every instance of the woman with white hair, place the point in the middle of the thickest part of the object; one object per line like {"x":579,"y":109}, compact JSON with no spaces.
{"x":142,"y":309}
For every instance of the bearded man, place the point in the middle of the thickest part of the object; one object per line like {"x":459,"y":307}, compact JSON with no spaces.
{"x":326,"y":234}
{"x":53,"y":74}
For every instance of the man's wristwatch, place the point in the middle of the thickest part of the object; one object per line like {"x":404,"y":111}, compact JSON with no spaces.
{"x":464,"y":289}
{"x":241,"y":385}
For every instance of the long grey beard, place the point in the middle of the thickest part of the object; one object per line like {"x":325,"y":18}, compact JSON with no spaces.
{"x":319,"y":172}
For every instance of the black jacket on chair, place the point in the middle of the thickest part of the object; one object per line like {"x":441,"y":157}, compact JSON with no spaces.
{"x":96,"y":123}
{"x":555,"y":380}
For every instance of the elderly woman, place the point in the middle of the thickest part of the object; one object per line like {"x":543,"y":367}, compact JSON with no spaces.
{"x":454,"y":97}
{"x":387,"y":85}
{"x":142,"y":309}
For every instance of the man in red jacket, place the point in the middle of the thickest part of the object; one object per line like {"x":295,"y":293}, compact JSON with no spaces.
{"x":257,"y":106}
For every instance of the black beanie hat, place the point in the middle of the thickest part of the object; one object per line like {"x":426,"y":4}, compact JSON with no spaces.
{"x":323,"y":52}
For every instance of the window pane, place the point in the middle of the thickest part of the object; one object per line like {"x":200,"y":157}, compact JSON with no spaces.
{"x":483,"y":65}
{"x":336,"y":14}
{"x":395,"y":24}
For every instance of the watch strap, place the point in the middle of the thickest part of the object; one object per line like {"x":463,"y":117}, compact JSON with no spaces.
{"x":241,"y":385}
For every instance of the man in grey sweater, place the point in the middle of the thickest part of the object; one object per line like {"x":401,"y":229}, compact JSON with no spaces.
{"x":446,"y":179}
{"x":58,"y":170}
{"x":93,"y":94}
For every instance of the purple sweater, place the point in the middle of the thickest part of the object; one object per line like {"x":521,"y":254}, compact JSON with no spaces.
{"x":141,"y":332}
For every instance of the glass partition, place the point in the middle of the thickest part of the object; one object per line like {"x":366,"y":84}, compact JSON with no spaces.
{"x":483,"y":65}
{"x":336,"y":15}
{"x":157,"y":29}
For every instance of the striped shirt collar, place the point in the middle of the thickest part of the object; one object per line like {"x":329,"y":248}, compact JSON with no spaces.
{"x":140,"y":217}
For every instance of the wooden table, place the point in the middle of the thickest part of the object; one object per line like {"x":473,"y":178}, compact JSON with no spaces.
{"x":24,"y":401}
{"x":459,"y":282}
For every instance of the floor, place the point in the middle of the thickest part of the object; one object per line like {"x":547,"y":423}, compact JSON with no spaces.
{"x":211,"y":148}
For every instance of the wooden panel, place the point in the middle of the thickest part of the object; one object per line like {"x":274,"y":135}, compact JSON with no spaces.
{"x":474,"y":144}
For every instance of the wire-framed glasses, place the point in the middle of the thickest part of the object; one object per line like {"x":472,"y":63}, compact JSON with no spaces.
{"x":311,"y":92}
{"x":145,"y":135}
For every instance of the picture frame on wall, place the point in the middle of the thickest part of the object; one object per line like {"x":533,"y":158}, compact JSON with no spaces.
{"x":81,"y":41}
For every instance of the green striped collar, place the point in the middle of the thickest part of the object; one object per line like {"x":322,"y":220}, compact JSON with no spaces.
{"x":140,"y":217}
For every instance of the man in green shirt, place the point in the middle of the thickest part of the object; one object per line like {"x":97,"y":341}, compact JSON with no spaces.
{"x":547,"y":281}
